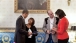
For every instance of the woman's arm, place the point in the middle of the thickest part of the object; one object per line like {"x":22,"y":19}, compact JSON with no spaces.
{"x":35,"y":32}
{"x":61,"y":27}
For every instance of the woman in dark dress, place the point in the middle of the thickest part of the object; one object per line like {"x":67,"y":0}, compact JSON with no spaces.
{"x":31,"y":28}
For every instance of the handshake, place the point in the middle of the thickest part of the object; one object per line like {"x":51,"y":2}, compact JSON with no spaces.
{"x":30,"y":33}
{"x":52,"y":31}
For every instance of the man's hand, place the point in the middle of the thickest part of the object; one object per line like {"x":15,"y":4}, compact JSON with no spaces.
{"x":29,"y":33}
{"x":48,"y":31}
{"x":53,"y":32}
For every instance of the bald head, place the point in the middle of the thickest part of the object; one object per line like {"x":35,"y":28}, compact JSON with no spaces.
{"x":50,"y":13}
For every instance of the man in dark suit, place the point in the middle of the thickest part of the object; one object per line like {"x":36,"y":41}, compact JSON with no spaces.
{"x":20,"y":32}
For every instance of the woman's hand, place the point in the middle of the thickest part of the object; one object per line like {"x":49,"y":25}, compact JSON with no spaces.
{"x":54,"y":29}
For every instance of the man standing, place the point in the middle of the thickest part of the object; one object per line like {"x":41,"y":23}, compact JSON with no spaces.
{"x":49,"y":23}
{"x":20,"y":32}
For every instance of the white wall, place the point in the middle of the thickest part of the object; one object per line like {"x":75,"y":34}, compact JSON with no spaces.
{"x":8,"y":17}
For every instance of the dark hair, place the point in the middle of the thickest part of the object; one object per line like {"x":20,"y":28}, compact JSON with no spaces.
{"x":25,"y":11}
{"x":32,"y":20}
{"x":60,"y":13}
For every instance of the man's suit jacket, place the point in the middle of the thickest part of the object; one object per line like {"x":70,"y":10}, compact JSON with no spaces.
{"x":47,"y":27}
{"x":20,"y":32}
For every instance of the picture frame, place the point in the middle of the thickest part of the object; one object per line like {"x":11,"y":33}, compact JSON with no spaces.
{"x":32,"y":6}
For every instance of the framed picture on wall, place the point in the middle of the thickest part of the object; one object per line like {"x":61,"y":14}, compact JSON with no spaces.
{"x":33,"y":6}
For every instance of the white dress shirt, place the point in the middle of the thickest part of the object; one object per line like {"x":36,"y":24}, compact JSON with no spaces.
{"x":51,"y":23}
{"x":22,"y":16}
